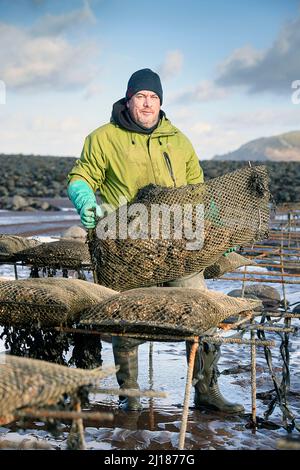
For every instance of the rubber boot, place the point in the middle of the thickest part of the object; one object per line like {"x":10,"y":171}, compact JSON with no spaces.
{"x":126,"y":357}
{"x":207,"y":392}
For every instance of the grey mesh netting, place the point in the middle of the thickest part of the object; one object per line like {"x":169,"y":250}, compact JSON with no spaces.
{"x":11,"y":244}
{"x":164,"y":311}
{"x":47,"y":301}
{"x":29,"y":383}
{"x":225,"y":264}
{"x":269,"y":296}
{"x":68,"y":254}
{"x":235,"y":211}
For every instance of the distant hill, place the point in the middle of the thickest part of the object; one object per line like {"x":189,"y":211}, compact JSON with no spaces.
{"x":283,"y":147}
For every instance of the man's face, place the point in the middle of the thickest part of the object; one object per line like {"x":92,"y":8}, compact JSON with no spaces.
{"x":144,"y":108}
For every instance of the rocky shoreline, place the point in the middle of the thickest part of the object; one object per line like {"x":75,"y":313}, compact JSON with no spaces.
{"x":28,"y":204}
{"x":32,"y":176}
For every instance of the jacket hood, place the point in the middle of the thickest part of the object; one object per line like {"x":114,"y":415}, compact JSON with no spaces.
{"x":121,"y":116}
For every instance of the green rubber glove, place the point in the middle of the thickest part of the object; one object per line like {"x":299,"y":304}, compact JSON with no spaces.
{"x":84,"y":200}
{"x":213,"y":214}
{"x":230,"y":250}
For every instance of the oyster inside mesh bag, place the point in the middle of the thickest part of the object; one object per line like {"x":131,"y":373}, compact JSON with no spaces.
{"x":10,"y":245}
{"x":47,"y":301}
{"x":69,"y":254}
{"x":31,"y":382}
{"x":166,"y":233}
{"x":171,"y":311}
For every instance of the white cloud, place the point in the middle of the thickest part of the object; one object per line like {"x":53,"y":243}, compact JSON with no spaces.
{"x":224,"y":133}
{"x":52,"y":135}
{"x":208,"y":136}
{"x":179,"y":113}
{"x":241,"y":58}
{"x":92,"y":90}
{"x":278,"y":118}
{"x":48,"y":125}
{"x":201,"y":128}
{"x":57,"y":24}
{"x":32,"y":63}
{"x":231,"y":131}
{"x":217,"y":141}
{"x":172,"y":64}
{"x":271,"y":70}
{"x":203,"y":92}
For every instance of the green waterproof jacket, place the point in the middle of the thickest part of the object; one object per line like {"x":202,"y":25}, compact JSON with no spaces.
{"x":119,"y":162}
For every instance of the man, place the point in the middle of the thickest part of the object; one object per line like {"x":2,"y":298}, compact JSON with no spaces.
{"x":140,"y":146}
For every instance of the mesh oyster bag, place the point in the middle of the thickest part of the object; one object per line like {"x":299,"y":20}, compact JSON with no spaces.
{"x":62,"y":254}
{"x":10,"y":245}
{"x":47,"y":301}
{"x":31,"y":382}
{"x":226,"y":264}
{"x":166,"y":233}
{"x":269,"y":296}
{"x":164,"y":311}
{"x":75,"y":232}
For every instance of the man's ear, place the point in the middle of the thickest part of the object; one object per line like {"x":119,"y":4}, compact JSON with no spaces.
{"x":127,"y":104}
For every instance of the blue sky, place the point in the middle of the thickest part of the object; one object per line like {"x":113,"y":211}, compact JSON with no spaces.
{"x":226,"y":68}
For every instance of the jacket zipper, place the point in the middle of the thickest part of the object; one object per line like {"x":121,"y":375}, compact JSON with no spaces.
{"x":168,"y":162}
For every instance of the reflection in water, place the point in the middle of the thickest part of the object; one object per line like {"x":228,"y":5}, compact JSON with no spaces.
{"x":162,"y":367}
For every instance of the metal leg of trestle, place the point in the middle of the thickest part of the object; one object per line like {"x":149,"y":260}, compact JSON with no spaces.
{"x":187,"y":393}
{"x":151,"y":408}
{"x":15,"y":270}
{"x":253,"y":376}
{"x":76,"y":440}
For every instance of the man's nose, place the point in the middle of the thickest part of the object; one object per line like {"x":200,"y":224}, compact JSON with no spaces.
{"x":147,"y":102}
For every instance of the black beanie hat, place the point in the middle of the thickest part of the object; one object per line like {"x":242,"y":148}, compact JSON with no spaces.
{"x":144,"y":79}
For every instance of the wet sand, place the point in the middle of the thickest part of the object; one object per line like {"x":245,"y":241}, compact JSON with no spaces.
{"x":49,"y":223}
{"x":157,"y":426}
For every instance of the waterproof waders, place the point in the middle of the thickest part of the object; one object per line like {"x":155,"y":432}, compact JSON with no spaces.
{"x":126,"y":357}
{"x":205,"y":381}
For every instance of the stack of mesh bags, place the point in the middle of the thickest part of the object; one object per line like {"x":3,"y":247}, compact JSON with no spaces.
{"x":62,"y":254}
{"x":11,"y":245}
{"x":164,"y":312}
{"x":47,"y":301}
{"x":33,"y":383}
{"x":232,"y":209}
